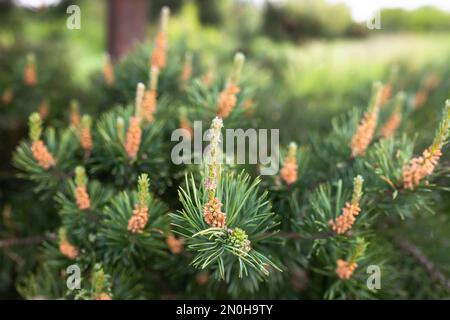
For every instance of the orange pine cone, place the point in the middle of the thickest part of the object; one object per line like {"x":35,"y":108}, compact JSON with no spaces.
{"x":103,"y":296}
{"x":208,"y":79}
{"x":185,"y":75}
{"x":184,"y":124}
{"x":227,"y":100}
{"x":158,"y":58}
{"x":138,"y":220}
{"x":213,"y":213}
{"x":202,"y":278}
{"x":108,"y":73}
{"x":386,"y":94}
{"x":86,"y":139}
{"x":149,"y":105}
{"x":30,"y":75}
{"x":82,"y":198}
{"x":161,"y":40}
{"x":289,"y":171}
{"x":420,"y":98}
{"x":389,"y":128}
{"x":75,"y":119}
{"x":7,"y":96}
{"x":430,"y":160}
{"x":433,"y":81}
{"x":248,"y":106}
{"x":133,"y":139}
{"x":175,"y":245}
{"x":419,"y":168}
{"x":68,"y":250}
{"x":364,"y":134}
{"x":344,"y":269}
{"x":41,"y":154}
{"x":43,"y":110}
{"x":345,"y":221}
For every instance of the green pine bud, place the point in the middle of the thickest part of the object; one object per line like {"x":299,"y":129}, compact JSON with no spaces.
{"x":238,"y":238}
{"x":239,"y":60}
{"x":357,"y":189}
{"x":143,"y":189}
{"x":80,"y":176}
{"x":292,"y":150}
{"x":35,"y":124}
{"x":99,"y":280}
{"x":120,"y":126}
{"x":74,"y":106}
{"x":86,"y":121}
{"x":153,"y":78}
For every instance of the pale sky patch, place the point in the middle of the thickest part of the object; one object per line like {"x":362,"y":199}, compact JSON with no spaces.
{"x":361,"y":9}
{"x":364,"y":9}
{"x":36,"y":3}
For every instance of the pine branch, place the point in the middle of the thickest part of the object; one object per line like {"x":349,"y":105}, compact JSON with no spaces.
{"x":28,"y":241}
{"x":298,"y":236}
{"x":14,"y":257}
{"x":423,"y":260}
{"x":60,"y":174}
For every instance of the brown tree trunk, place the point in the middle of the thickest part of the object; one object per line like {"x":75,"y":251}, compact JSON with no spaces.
{"x":126,"y":25}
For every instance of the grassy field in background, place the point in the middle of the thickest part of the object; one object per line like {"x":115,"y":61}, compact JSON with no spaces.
{"x":336,"y":66}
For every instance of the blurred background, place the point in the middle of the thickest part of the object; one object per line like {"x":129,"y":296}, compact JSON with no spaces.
{"x":309,"y":59}
{"x":314,"y":48}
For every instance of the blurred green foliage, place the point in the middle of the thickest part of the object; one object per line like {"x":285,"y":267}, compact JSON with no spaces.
{"x":305,"y":19}
{"x":425,"y":19}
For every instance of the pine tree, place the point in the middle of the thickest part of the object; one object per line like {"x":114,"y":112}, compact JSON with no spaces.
{"x":139,"y":226}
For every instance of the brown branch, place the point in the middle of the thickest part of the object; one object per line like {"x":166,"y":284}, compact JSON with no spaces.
{"x":60,"y":174}
{"x":296,"y":235}
{"x":14,"y":257}
{"x":423,"y":260}
{"x":28,"y":241}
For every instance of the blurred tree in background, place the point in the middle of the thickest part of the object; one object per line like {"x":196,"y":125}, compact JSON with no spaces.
{"x":425,"y":19}
{"x":302,"y":20}
{"x":126,"y":25}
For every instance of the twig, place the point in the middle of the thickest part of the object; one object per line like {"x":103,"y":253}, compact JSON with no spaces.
{"x":28,"y":241}
{"x":60,"y":174}
{"x":429,"y":266}
{"x":296,"y":235}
